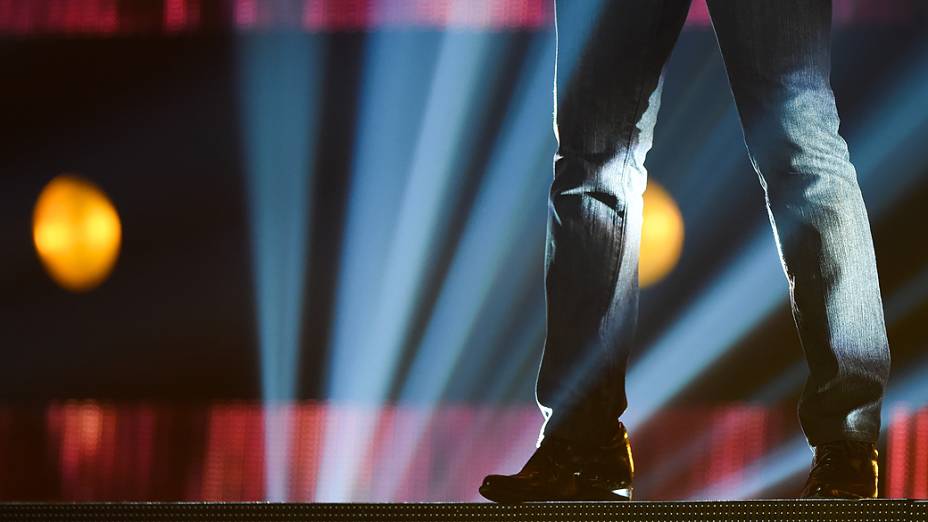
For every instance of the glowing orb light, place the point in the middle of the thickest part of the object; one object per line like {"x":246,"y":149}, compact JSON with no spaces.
{"x":661,"y":236}
{"x":76,"y":232}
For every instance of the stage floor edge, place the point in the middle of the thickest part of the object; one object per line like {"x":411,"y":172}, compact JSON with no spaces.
{"x":717,"y":511}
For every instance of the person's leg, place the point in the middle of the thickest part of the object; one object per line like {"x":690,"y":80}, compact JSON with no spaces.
{"x":777,"y":53}
{"x":606,"y":110}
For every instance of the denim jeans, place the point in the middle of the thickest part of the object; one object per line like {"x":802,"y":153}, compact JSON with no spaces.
{"x":777,"y":56}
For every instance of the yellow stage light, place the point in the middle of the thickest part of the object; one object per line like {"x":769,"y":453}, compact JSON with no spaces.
{"x":661,"y":236}
{"x":76,"y":232}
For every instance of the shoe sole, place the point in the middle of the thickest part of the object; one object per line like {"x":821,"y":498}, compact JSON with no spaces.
{"x":842,"y":495}
{"x":588,"y":495}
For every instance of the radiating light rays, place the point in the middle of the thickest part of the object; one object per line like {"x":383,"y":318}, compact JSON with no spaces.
{"x":446,"y":136}
{"x":364,"y":367}
{"x":504,"y":349}
{"x":497,"y":217}
{"x":427,"y":391}
{"x":514,"y":278}
{"x":278,"y":81}
{"x":743,"y":295}
{"x":390,"y":113}
{"x":511,"y":184}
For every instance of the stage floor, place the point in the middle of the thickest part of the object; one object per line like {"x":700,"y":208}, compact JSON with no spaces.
{"x":741,"y":511}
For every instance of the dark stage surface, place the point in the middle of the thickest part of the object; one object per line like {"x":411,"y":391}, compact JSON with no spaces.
{"x":768,"y":510}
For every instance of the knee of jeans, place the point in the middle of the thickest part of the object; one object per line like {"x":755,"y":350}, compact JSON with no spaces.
{"x":805,"y":163}
{"x":588,"y":205}
{"x":794,"y":135}
{"x":610,"y":181}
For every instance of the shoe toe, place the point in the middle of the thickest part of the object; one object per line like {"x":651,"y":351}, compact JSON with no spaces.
{"x":488,"y":482}
{"x":492,"y":487}
{"x":503,"y":488}
{"x":497,"y":481}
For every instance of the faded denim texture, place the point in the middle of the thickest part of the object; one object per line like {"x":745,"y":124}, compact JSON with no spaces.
{"x":777,"y":55}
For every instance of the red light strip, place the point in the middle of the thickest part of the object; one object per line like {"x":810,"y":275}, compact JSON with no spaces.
{"x":111,"y":17}
{"x":101,"y":451}
{"x":920,"y":456}
{"x":123,"y":17}
{"x":181,"y":15}
{"x":898,"y":452}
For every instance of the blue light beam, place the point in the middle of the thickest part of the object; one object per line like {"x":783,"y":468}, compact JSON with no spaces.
{"x":278,"y":90}
{"x":389,"y":116}
{"x":445,"y":136}
{"x":498,"y":219}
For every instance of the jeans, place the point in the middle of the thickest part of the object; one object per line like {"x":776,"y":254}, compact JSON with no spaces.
{"x":777,"y":57}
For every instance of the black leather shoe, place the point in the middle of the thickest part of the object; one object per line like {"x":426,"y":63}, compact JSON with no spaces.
{"x":846,"y":469}
{"x":562,"y":470}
